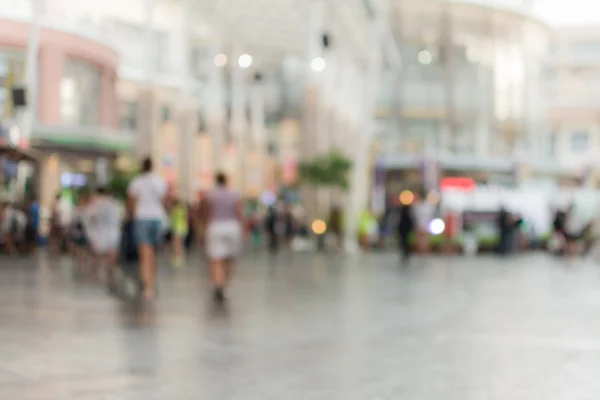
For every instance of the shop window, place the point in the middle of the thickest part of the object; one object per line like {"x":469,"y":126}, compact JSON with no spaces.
{"x":79,"y":94}
{"x":12,"y":70}
{"x":128,"y":115}
{"x":128,"y":38}
{"x":579,"y":142}
{"x":166,"y":114}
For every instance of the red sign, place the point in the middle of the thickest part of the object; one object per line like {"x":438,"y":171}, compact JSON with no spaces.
{"x":458,"y":183}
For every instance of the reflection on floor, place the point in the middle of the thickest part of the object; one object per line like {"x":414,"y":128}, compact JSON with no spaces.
{"x":308,"y":327}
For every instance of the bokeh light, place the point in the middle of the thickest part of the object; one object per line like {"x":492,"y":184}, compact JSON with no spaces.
{"x":437,"y":226}
{"x":318,"y":64}
{"x":220,"y":60}
{"x":319,"y":226}
{"x":407,"y":197}
{"x":245,"y":61}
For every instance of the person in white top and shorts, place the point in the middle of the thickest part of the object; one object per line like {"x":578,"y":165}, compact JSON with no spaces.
{"x":147,"y":195}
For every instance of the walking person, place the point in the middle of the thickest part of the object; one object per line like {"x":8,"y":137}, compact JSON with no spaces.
{"x":336,"y":227}
{"x":33,"y":226}
{"x":78,"y":234}
{"x":272,"y":228}
{"x":147,"y":194}
{"x":406,"y":227}
{"x":179,"y":231}
{"x":59,"y":222}
{"x":224,"y":234}
{"x":104,"y":231}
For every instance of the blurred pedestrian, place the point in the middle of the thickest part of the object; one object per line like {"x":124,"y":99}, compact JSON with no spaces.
{"x":179,"y":231}
{"x":104,"y":230}
{"x":406,"y":228}
{"x":147,"y":194}
{"x":224,"y":234}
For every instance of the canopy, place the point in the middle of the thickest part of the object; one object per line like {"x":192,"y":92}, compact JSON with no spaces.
{"x":18,"y":153}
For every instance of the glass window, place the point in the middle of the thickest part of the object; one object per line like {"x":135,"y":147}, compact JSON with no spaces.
{"x":80,"y":94}
{"x":12,"y":70}
{"x":128,"y":38}
{"x":579,"y":142}
{"x":552,"y":144}
{"x":165,"y":113}
{"x":128,"y":115}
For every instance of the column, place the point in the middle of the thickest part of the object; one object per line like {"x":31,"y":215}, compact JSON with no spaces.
{"x":187,"y":112}
{"x":482,"y":126}
{"x":359,"y":183}
{"x":32,"y":70}
{"x":188,"y":127}
{"x":147,"y":113}
{"x":215,"y":106}
{"x":312,"y":101}
{"x":258,"y":136}
{"x":108,"y":99}
{"x":326,"y":113}
{"x":239,"y":122}
{"x":49,"y":181}
{"x":449,"y":130}
{"x":52,"y":61}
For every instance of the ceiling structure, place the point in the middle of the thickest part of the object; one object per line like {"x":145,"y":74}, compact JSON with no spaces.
{"x":276,"y":28}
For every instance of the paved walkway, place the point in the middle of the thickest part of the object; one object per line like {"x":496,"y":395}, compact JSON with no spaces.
{"x":309,"y":327}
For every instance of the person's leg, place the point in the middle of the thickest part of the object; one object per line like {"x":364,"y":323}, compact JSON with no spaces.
{"x":111,"y":267}
{"x":405,"y":246}
{"x":144,"y":241}
{"x":219,"y":278}
{"x":178,"y":249}
{"x":217,"y":250}
{"x":228,"y":266}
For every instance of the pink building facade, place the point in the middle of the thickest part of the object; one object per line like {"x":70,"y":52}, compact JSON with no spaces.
{"x":56,"y":48}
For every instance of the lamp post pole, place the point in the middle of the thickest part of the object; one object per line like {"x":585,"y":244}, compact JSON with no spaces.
{"x":28,"y":116}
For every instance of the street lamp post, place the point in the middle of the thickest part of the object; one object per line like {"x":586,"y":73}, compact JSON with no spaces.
{"x":28,"y":116}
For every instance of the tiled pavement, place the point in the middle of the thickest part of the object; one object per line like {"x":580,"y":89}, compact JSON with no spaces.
{"x":310,"y":328}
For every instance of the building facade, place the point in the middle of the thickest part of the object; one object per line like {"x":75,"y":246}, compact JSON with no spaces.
{"x":255,"y":88}
{"x":572,"y":71}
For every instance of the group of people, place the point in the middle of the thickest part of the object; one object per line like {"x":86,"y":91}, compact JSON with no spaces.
{"x":570,"y":235}
{"x":93,"y":231}
{"x":222,"y":213}
{"x":18,"y":227}
{"x":101,"y":228}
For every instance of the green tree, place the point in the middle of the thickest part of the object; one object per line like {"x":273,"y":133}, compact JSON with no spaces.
{"x":119,"y":183}
{"x":326,"y":170}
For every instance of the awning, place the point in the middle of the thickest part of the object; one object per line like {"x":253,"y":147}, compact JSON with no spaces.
{"x":18,"y":153}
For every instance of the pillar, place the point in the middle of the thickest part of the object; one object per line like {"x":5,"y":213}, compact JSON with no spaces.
{"x":359,"y":183}
{"x":215,"y":109}
{"x":482,"y":130}
{"x":239,"y":122}
{"x":312,"y":103}
{"x":449,"y":130}
{"x":147,"y":111}
{"x":108,"y":99}
{"x":187,"y":113}
{"x":49,"y":179}
{"x":258,"y":137}
{"x":52,"y":61}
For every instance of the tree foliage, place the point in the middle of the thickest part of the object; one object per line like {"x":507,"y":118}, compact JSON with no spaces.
{"x":331,"y":169}
{"x":119,"y":183}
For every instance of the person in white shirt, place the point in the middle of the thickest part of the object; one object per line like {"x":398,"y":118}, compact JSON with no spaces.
{"x":147,"y":194}
{"x":103,"y":226}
